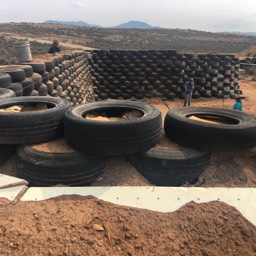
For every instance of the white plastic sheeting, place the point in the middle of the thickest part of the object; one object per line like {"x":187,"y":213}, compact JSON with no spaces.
{"x":161,"y":199}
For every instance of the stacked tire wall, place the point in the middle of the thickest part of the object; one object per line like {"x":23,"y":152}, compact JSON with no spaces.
{"x":148,"y":74}
{"x":67,"y":76}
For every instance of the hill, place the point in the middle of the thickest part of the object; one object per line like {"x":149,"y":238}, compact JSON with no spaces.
{"x":130,"y":24}
{"x":134,"y":24}
{"x":72,"y":23}
{"x":182,"y":40}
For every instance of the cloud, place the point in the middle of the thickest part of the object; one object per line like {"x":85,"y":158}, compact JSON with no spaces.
{"x":76,"y":5}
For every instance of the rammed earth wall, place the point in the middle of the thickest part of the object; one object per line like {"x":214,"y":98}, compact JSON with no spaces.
{"x":99,"y":75}
{"x":140,"y":74}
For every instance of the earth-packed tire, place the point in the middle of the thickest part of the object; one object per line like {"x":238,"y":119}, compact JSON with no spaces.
{"x":17,"y":88}
{"x":26,"y":68}
{"x":6,"y":151}
{"x":211,"y":129}
{"x":170,"y":167}
{"x":49,"y":65}
{"x":5,"y":80}
{"x":17,"y":74}
{"x":114,"y":137}
{"x":42,"y":90}
{"x":38,"y":67}
{"x":6,"y":93}
{"x":28,"y":86}
{"x":34,"y":93}
{"x":32,"y":126}
{"x":38,"y":80}
{"x":70,"y":167}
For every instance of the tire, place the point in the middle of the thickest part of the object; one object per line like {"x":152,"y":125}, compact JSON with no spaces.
{"x":45,"y":77}
{"x":34,"y":93}
{"x":17,"y":88}
{"x":26,"y":68}
{"x":38,"y":80}
{"x":42,"y":90}
{"x":49,"y":65}
{"x":238,"y":134}
{"x":33,"y":126}
{"x":6,"y":93}
{"x":170,"y":167}
{"x":5,"y":80}
{"x":28,"y":86}
{"x":116,"y":137}
{"x":38,"y":67}
{"x":17,"y":75}
{"x":52,"y":168}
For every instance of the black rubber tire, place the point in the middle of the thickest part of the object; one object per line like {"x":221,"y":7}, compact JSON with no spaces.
{"x":27,"y":69}
{"x":38,"y":67}
{"x":45,"y":77}
{"x":34,"y":93}
{"x":38,"y":80}
{"x":17,"y":74}
{"x":33,"y":126}
{"x":42,"y":90}
{"x":17,"y":88}
{"x":240,"y":135}
{"x":49,"y":65}
{"x":5,"y":80}
{"x":6,"y":93}
{"x":170,"y":167}
{"x":28,"y":86}
{"x":6,"y":151}
{"x":113,"y":138}
{"x":47,"y":169}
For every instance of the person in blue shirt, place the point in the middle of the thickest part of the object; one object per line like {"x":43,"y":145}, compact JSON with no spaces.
{"x":189,"y":88}
{"x":239,"y":103}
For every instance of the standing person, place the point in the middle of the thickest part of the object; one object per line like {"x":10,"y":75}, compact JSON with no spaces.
{"x":189,"y":88}
{"x":54,"y":47}
{"x":239,"y":103}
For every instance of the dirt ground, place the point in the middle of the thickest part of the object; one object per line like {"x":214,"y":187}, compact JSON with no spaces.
{"x":74,"y":225}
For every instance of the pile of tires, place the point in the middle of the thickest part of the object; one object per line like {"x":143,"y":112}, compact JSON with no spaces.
{"x":140,"y":74}
{"x":17,"y":78}
{"x":66,"y":76}
{"x":196,"y":132}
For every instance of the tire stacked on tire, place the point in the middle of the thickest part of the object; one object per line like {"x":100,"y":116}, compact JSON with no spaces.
{"x":139,"y":74}
{"x":223,"y":130}
{"x":32,"y":126}
{"x":114,"y":137}
{"x":20,"y":79}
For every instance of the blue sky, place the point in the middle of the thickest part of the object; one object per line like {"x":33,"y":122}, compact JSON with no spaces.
{"x":208,"y":15}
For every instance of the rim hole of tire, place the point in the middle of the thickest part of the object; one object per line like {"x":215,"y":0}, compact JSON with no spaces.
{"x":26,"y":107}
{"x":213,"y":119}
{"x":113,"y":114}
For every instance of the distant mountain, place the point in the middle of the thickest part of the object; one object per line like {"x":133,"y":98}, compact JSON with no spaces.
{"x":74,"y":23}
{"x":130,"y":24}
{"x":134,"y":24}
